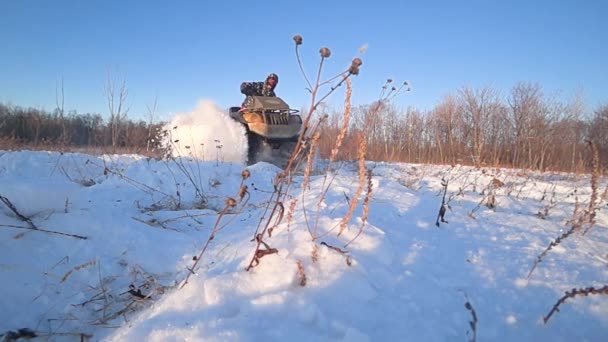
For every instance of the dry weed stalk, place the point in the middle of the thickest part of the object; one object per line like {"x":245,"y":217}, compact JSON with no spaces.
{"x":595,"y":176}
{"x":580,"y":218}
{"x":348,"y":259}
{"x":488,"y":199}
{"x":574,"y":293}
{"x":12,"y":207}
{"x":230,"y":204}
{"x":290,"y":211}
{"x":345,"y":123}
{"x":364,"y":216}
{"x":31,"y":224}
{"x":472,"y":322}
{"x":552,"y":203}
{"x":78,"y":268}
{"x":282,"y":184}
{"x":301,"y":274}
{"x":314,"y":255}
{"x":353,"y":204}
{"x":334,"y":152}
{"x":307,"y":172}
{"x":442,"y":208}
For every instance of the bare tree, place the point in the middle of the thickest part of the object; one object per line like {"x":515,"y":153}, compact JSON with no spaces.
{"x":477,"y":108}
{"x":64,"y":137}
{"x":524,"y":102}
{"x":117,"y":106}
{"x":446,"y":120}
{"x":151,"y":117}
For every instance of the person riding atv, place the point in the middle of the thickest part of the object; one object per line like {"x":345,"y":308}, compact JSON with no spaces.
{"x":272,"y":127}
{"x":265,"y":88}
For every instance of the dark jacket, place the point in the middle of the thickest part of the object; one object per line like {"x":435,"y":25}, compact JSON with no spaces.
{"x":256,"y":89}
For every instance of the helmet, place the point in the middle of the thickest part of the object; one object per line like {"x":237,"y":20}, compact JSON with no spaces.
{"x":274,"y":76}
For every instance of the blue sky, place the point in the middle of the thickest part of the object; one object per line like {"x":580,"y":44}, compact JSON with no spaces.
{"x":185,"y":51}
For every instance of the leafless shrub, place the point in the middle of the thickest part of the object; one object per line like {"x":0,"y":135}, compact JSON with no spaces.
{"x":581,"y":220}
{"x":488,"y":199}
{"x":552,"y":203}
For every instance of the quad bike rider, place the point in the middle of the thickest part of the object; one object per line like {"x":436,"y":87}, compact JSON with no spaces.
{"x":272,"y":127}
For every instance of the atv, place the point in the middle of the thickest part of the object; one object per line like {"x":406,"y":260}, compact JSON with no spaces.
{"x":272,"y":129}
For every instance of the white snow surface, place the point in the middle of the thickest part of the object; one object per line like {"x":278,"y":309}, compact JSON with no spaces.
{"x":408,"y":280}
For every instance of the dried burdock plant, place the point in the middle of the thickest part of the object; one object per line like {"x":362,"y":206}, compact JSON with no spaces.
{"x":354,"y":66}
{"x":245,"y":174}
{"x":574,"y":293}
{"x":301,"y":274}
{"x":274,"y":210}
{"x":230,"y":202}
{"x":242,"y":192}
{"x":325,"y":52}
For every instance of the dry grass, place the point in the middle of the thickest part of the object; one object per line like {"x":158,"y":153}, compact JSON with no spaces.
{"x":77,"y":268}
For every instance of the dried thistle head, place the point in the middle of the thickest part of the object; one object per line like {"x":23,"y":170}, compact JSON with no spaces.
{"x":325,"y":52}
{"x":245,"y":174}
{"x":297,"y":39}
{"x":230,"y":202}
{"x":243,"y":191}
{"x":354,"y":66}
{"x":389,"y":80}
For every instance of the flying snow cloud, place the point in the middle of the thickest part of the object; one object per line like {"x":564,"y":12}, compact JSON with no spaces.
{"x":207,"y":133}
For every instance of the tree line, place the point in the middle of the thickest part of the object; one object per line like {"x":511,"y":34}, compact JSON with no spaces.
{"x":37,"y":128}
{"x":525,"y":129}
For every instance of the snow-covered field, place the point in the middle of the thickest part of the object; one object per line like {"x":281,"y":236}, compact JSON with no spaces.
{"x":136,"y":225}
